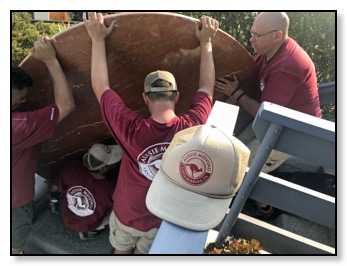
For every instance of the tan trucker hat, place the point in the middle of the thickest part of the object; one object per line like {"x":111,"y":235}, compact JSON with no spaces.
{"x":159,"y":74}
{"x":100,"y":155}
{"x":201,"y":171}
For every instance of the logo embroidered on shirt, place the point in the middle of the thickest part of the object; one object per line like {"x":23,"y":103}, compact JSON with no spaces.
{"x":80,"y":201}
{"x":262,"y":84}
{"x":150,"y":159}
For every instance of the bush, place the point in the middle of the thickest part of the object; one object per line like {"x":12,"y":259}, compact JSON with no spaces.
{"x":25,"y":33}
{"x":234,"y":245}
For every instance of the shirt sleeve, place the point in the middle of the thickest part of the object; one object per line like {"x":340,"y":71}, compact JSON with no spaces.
{"x":200,"y":109}
{"x":31,"y":128}
{"x":117,"y":116}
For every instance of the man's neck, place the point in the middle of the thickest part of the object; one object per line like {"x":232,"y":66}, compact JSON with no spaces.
{"x":163,"y":112}
{"x":275,"y":49}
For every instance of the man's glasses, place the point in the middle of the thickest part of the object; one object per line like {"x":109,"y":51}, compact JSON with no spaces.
{"x":257,"y":36}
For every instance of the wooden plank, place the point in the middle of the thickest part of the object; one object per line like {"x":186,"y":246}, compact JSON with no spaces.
{"x":173,"y":239}
{"x":289,"y":131}
{"x":295,"y":199}
{"x":303,"y":136}
{"x":284,"y":129}
{"x":277,"y":240}
{"x":272,"y":134}
{"x":273,"y":240}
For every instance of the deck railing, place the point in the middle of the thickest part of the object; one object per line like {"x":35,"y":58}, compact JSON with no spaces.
{"x":297,"y":134}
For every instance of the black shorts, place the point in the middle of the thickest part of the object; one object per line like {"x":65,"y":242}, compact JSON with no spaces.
{"x":21,"y":221}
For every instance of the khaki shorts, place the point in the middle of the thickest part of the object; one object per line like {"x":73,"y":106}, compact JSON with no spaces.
{"x":125,"y":238}
{"x":276,"y":158}
{"x":21,"y":221}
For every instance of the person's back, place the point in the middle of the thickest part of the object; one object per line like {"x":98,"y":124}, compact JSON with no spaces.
{"x":85,"y":190}
{"x":144,"y":139}
{"x":82,"y":206}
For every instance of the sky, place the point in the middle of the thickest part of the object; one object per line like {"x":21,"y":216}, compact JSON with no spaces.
{"x":155,"y":5}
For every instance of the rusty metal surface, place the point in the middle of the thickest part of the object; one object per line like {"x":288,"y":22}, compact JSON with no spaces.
{"x":143,"y":42}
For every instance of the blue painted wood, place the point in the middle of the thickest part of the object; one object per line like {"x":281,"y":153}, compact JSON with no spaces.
{"x":327,"y":93}
{"x":304,"y":136}
{"x":277,"y":128}
{"x":276,"y":240}
{"x":173,"y":239}
{"x":295,"y":199}
{"x":289,"y":131}
{"x":270,"y":138}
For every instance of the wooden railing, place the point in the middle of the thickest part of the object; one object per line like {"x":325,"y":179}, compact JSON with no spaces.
{"x":294,"y":133}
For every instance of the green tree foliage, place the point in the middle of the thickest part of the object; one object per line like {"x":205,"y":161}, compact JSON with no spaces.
{"x":76,"y":16}
{"x":236,"y":24}
{"x":25,"y":33}
{"x":315,"y":32}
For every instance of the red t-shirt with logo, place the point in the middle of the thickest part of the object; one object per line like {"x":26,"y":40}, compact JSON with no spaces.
{"x":143,"y":141}
{"x":289,"y":79}
{"x":29,"y":129}
{"x":85,"y":201}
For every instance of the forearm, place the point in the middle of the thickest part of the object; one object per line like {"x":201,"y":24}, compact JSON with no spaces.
{"x":207,"y":70}
{"x":62,"y":91}
{"x":250,"y":105}
{"x":99,"y":70}
{"x":247,"y":103}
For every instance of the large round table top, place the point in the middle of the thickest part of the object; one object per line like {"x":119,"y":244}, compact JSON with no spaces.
{"x":142,"y":43}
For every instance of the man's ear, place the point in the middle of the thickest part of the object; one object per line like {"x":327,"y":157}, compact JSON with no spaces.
{"x":279,"y":35}
{"x":145,"y":98}
{"x":177,"y":97}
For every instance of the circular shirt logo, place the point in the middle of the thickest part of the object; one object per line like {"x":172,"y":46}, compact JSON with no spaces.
{"x":196,"y":167}
{"x":80,"y":201}
{"x":150,"y":159}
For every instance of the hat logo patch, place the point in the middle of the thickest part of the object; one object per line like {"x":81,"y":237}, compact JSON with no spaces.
{"x":196,"y":167}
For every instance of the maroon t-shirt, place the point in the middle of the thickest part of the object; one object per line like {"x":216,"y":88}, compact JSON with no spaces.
{"x":143,"y":141}
{"x":85,"y":201}
{"x":29,"y":129}
{"x":289,"y":79}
